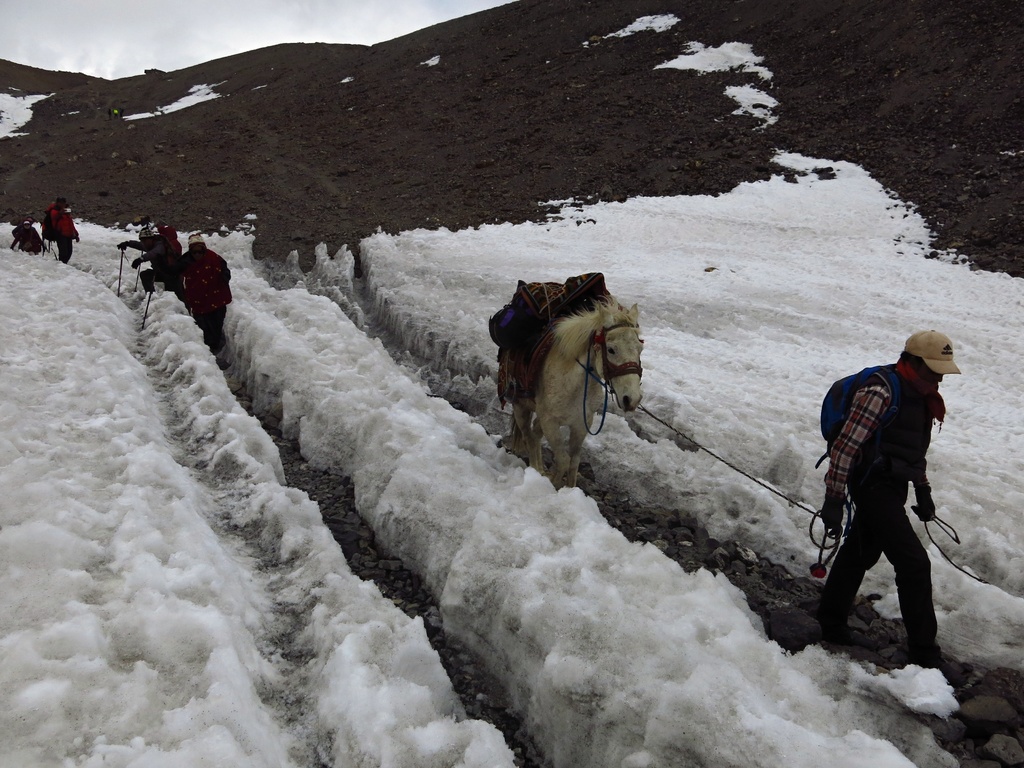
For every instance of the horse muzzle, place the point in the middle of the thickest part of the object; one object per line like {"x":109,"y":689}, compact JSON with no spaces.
{"x":628,"y":402}
{"x":628,"y":393}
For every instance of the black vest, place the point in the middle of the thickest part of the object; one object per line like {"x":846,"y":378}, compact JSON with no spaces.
{"x":898,"y":454}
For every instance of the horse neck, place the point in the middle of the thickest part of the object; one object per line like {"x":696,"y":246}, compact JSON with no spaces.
{"x":574,"y":335}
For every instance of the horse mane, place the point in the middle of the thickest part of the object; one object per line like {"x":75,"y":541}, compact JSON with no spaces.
{"x":573,"y":332}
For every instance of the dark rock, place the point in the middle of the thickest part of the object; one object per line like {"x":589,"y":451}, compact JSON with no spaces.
{"x":737,"y":568}
{"x":986,"y":715}
{"x":1001,"y":681}
{"x":1005,"y":749}
{"x":948,"y":730}
{"x":793,"y":629}
{"x":718,"y":559}
{"x":866,"y":613}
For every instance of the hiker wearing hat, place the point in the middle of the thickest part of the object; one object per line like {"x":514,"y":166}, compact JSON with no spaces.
{"x":876,"y":463}
{"x":26,"y":238}
{"x":158,"y":252}
{"x":207,"y":293}
{"x":62,"y":227}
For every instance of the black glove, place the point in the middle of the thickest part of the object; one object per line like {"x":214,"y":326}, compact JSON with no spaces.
{"x":832,"y":516}
{"x":925,"y":507}
{"x":123,"y":245}
{"x":136,"y":263}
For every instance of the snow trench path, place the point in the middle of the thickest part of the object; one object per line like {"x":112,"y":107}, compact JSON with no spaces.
{"x":482,"y":696}
{"x":329,"y":644}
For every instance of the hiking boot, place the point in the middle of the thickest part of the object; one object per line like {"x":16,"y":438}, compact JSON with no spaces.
{"x":840,"y":635}
{"x":843,"y":635}
{"x":929,"y":657}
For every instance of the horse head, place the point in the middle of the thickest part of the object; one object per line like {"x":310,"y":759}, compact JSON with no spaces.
{"x":619,"y":344}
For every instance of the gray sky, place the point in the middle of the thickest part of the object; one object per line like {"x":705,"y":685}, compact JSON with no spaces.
{"x":120,"y":38}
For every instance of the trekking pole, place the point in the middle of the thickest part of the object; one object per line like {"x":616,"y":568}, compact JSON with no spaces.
{"x":120,"y":268}
{"x":144,"y":314}
{"x":138,"y":271}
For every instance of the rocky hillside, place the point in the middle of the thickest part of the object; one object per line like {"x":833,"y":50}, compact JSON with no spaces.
{"x":531,"y":102}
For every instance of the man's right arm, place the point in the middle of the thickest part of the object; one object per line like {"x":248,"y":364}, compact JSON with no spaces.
{"x":866,"y":410}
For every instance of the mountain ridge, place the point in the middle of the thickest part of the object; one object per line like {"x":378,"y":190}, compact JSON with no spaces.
{"x":531,"y":102}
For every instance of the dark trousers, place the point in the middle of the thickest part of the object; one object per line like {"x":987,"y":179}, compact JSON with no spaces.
{"x":171,"y":282}
{"x":64,"y":246}
{"x":212,"y":326}
{"x":881,"y":526}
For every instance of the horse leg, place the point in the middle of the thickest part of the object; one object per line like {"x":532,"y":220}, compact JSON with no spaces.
{"x":575,"y":451}
{"x":578,"y":432}
{"x":562,"y":460}
{"x":526,"y":436}
{"x":517,"y":437}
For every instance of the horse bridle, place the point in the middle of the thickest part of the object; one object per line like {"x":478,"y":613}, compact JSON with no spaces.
{"x":611,"y":370}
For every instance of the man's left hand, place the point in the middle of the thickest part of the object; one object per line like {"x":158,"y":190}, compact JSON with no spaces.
{"x":925,"y":507}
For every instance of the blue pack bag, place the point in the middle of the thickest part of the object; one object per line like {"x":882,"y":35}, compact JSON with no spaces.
{"x":835,"y":407}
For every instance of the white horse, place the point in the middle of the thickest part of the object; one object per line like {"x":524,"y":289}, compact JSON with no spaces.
{"x":594,"y":352}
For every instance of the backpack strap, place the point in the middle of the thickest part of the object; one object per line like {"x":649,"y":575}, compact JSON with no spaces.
{"x":886,"y":374}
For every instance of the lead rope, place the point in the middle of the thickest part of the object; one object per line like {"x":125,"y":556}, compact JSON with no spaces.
{"x":730,"y":465}
{"x":820,"y":568}
{"x":587,"y":375}
{"x":823,"y":545}
{"x":948,"y":529}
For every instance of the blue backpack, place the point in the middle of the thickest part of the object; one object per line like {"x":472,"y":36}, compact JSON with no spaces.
{"x":835,"y":408}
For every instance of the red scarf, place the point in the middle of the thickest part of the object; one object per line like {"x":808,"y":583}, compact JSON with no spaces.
{"x":928,"y":390}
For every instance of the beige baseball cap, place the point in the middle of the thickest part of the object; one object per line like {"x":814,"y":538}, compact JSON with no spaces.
{"x":935,"y":349}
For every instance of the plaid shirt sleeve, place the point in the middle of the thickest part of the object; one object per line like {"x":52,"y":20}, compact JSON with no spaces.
{"x":866,"y":410}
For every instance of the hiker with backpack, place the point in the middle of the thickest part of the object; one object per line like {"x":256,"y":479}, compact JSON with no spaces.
{"x":163,"y":257}
{"x":26,"y":238}
{"x":207,"y":293}
{"x":878,"y":452}
{"x":59,"y":227}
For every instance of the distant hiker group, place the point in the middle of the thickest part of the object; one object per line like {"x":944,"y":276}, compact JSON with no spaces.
{"x":26,"y":238}
{"x":57,"y":231}
{"x":59,"y":227}
{"x":198,"y":276}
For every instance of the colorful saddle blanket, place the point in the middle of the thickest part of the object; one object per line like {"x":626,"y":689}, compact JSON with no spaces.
{"x":523,"y":328}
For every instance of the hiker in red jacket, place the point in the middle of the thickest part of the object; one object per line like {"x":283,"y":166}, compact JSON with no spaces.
{"x":63,"y":227}
{"x":26,"y":238}
{"x":207,"y":293}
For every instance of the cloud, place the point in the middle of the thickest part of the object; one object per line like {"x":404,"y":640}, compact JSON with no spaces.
{"x":116,"y":38}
